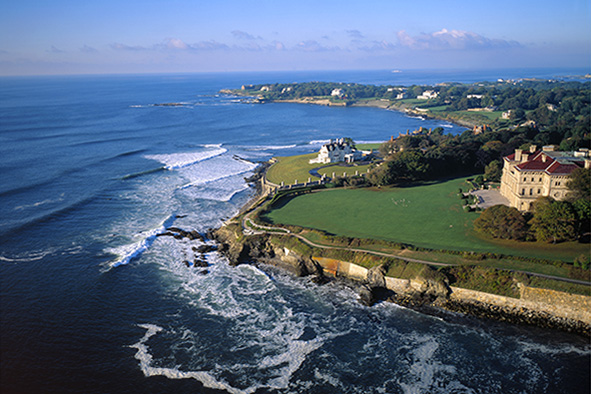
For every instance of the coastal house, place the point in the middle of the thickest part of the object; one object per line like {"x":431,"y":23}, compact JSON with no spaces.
{"x":336,"y":92}
{"x":539,"y":173}
{"x":337,"y":151}
{"x":428,"y":94}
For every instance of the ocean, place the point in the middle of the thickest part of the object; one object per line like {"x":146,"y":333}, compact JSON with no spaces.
{"x":93,"y":301}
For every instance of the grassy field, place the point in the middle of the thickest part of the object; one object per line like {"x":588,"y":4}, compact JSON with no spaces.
{"x":296,"y":168}
{"x":429,"y":216}
{"x":292,"y":168}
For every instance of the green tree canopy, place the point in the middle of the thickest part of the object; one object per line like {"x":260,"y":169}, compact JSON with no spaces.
{"x":554,"y":221}
{"x":501,"y":221}
{"x":579,"y":184}
{"x":493,"y":171}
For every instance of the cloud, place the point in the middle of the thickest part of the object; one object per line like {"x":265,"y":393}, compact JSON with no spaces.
{"x":53,"y":49}
{"x":124,"y":47}
{"x":314,"y":46}
{"x":175,"y":43}
{"x":242,"y":35}
{"x":88,"y":49}
{"x":209,"y":45}
{"x":355,"y":34}
{"x":377,"y":46}
{"x":454,"y":39}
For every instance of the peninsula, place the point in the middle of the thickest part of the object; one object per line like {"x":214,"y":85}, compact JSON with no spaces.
{"x":496,"y":105}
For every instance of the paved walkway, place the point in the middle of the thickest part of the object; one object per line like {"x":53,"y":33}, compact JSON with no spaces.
{"x":488,"y":198}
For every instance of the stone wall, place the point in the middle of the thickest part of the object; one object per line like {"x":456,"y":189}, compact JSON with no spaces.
{"x":555,"y":303}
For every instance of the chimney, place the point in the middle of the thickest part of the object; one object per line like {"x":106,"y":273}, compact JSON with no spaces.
{"x":548,"y":148}
{"x":587,"y":163}
{"x":533,"y":148}
{"x":524,"y":157}
{"x":518,"y":155}
{"x":544,"y":158}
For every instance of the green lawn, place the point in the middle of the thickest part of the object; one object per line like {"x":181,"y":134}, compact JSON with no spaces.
{"x":292,"y":168}
{"x":430,"y":216}
{"x":490,"y":116}
{"x":375,"y":146}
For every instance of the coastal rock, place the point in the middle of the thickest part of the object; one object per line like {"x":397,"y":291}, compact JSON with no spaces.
{"x":370,"y":295}
{"x":195,"y":235}
{"x":205,"y":248}
{"x":200,"y":263}
{"x":376,"y":276}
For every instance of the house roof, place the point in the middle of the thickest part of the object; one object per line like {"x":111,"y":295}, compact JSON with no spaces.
{"x":550,"y":162}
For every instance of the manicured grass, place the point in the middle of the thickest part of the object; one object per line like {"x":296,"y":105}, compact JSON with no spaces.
{"x":429,"y":216}
{"x":490,"y":116}
{"x":292,"y":168}
{"x":375,"y":146}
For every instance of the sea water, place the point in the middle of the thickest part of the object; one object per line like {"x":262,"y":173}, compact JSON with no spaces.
{"x":94,"y":301}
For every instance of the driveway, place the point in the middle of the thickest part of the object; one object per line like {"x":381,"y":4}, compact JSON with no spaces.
{"x":488,"y":198}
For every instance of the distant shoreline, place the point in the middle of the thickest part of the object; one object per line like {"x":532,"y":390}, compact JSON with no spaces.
{"x":382,"y":104}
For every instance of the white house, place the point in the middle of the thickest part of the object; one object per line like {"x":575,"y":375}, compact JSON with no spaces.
{"x":337,"y":151}
{"x":428,"y":94}
{"x":337,"y":92}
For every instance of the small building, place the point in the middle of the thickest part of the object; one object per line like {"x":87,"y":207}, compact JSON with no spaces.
{"x":539,"y":173}
{"x":337,"y":151}
{"x":428,"y":94}
{"x":336,"y":92}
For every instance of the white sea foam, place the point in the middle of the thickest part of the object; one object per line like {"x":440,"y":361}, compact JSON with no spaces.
{"x":145,"y":358}
{"x":215,"y":169}
{"x":266,"y":341}
{"x":28,"y":256}
{"x":127,"y":252}
{"x":446,"y":125}
{"x":180,"y":160}
{"x":38,"y":204}
{"x":319,"y":142}
{"x":270,"y":147}
{"x":425,"y":370}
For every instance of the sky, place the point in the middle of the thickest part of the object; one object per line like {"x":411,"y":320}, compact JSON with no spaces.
{"x":39,"y":37}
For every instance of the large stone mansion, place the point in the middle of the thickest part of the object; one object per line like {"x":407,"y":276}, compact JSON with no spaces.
{"x":528,"y":175}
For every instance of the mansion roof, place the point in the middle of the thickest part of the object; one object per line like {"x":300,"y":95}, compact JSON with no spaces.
{"x":550,"y":162}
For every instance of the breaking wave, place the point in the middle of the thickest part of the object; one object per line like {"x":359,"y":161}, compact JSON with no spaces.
{"x":180,"y":160}
{"x":128,"y":252}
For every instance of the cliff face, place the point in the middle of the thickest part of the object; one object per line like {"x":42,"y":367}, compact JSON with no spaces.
{"x":240,"y":249}
{"x":427,"y":292}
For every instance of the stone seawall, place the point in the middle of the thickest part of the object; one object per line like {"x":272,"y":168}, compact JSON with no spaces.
{"x":548,"y":302}
{"x":429,"y":293}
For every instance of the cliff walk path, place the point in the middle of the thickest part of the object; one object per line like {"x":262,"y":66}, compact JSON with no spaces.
{"x":251,"y":228}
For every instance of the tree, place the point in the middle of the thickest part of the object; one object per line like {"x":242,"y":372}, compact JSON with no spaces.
{"x":501,"y":221}
{"x":409,"y":165}
{"x":381,"y":175}
{"x":553,"y":221}
{"x":493,"y":171}
{"x":579,"y":184}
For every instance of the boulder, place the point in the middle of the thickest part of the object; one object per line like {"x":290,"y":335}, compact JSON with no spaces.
{"x":205,"y":248}
{"x":200,"y":263}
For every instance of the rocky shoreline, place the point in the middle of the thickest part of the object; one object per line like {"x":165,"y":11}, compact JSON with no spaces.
{"x":427,"y":296}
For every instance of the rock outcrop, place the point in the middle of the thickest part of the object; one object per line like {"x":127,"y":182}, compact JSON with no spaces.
{"x":429,"y":292}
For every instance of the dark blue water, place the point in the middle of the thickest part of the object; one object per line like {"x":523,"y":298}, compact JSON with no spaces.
{"x":92,"y":301}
